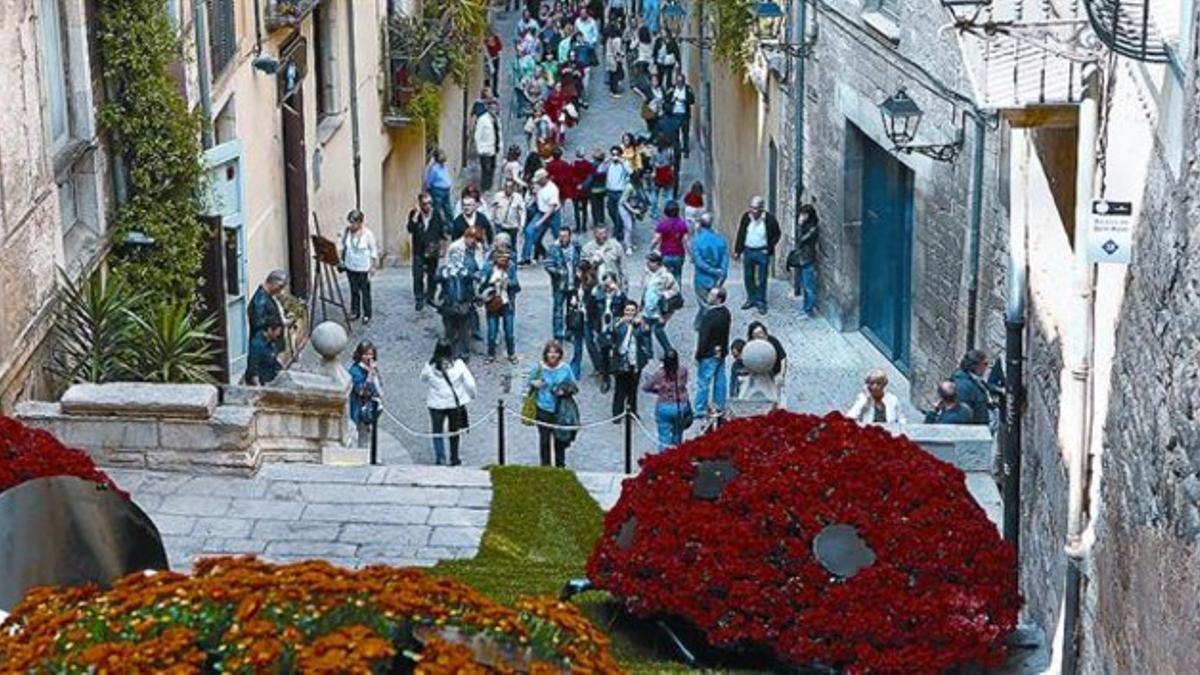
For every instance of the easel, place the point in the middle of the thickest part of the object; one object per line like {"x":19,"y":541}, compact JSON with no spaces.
{"x":327,"y":261}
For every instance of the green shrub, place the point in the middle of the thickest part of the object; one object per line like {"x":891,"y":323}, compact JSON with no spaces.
{"x":150,"y":127}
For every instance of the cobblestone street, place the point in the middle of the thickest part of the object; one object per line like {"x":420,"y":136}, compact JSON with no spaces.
{"x":824,"y":373}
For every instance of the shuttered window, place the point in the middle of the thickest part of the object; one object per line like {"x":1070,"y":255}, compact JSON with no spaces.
{"x":222,"y":35}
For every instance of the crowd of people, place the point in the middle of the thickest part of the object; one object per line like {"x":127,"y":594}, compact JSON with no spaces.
{"x":610,"y":302}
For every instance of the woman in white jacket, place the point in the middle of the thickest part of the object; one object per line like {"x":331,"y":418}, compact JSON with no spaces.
{"x":875,"y":404}
{"x":451,"y":388}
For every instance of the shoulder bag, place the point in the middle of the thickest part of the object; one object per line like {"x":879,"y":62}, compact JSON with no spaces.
{"x":460,"y":411}
{"x":529,"y":403}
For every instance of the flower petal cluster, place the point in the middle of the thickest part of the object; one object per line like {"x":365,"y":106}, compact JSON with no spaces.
{"x":739,"y":563}
{"x":27,"y":453}
{"x":243,"y":615}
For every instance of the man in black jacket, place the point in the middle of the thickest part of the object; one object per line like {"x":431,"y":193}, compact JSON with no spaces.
{"x":971,"y":387}
{"x":679,"y":103}
{"x":427,"y":230}
{"x":758,"y":234}
{"x":712,"y":343}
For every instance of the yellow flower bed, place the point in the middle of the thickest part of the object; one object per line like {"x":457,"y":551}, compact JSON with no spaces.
{"x":243,"y":615}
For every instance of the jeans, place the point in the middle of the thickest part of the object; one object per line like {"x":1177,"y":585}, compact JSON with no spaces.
{"x":755,"y":265}
{"x":658,"y":329}
{"x":597,"y":200}
{"x":804,"y":279}
{"x":675,"y":264}
{"x":424,"y":279}
{"x":710,"y":375}
{"x":458,"y":334}
{"x":579,"y":207}
{"x":577,"y":349}
{"x":364,"y":434}
{"x":441,"y":202}
{"x":360,"y":293}
{"x":612,"y":200}
{"x":661,"y":194}
{"x":599,"y":354}
{"x":444,"y":421}
{"x":669,"y":417}
{"x":558,"y":312}
{"x":493,"y":331}
{"x":487,"y":170}
{"x":625,"y":391}
{"x":701,"y":303}
{"x":534,"y":234}
{"x":546,"y":439}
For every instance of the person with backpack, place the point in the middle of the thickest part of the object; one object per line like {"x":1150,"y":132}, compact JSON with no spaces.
{"x":457,"y":276}
{"x":499,"y":290}
{"x":673,"y":414}
{"x":451,"y":388}
{"x":562,"y":264}
{"x":365,"y":391}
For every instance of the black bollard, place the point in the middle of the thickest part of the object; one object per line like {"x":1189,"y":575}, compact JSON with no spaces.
{"x":500,"y":432}
{"x":628,"y":439}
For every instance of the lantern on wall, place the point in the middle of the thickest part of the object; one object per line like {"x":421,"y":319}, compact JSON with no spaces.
{"x":901,"y":117}
{"x":768,"y":21}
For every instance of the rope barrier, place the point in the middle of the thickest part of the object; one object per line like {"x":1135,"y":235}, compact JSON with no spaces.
{"x":448,"y":434}
{"x":569,"y":427}
{"x":651,"y":435}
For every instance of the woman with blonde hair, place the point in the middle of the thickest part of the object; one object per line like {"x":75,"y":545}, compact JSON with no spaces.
{"x":875,"y":404}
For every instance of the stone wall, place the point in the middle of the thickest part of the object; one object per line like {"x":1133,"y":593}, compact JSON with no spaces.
{"x":1143,"y":609}
{"x":854,"y":67}
{"x":186,"y":428}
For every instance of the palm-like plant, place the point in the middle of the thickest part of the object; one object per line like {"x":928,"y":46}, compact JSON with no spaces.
{"x":174,"y":347}
{"x":94,"y":331}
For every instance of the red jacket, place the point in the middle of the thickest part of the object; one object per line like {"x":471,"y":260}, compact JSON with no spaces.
{"x":563,"y":175}
{"x":583,"y":170}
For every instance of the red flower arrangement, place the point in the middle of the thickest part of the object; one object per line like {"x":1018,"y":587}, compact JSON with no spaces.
{"x":27,"y":453}
{"x":720,"y":532}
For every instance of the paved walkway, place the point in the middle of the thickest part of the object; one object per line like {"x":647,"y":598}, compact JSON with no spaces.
{"x":350,"y":516}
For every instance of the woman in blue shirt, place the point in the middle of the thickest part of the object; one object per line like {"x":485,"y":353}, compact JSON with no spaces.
{"x":552,"y":379}
{"x":365,"y":391}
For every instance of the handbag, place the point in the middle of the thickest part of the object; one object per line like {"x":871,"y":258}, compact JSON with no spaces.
{"x":529,"y":403}
{"x":793,"y":259}
{"x":647,"y":112}
{"x":670,"y":303}
{"x":687,"y":416}
{"x":664,"y":176}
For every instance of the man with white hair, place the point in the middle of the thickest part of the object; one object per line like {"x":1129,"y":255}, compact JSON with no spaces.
{"x":546,"y":216}
{"x":710,"y":255}
{"x":265,"y":308}
{"x":758,"y":234}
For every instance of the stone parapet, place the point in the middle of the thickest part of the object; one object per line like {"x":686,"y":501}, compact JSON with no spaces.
{"x":183,"y":427}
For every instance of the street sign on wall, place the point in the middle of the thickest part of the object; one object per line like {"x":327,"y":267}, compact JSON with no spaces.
{"x":1111,"y":234}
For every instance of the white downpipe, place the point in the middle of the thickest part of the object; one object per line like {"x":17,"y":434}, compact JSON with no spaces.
{"x":1076,"y":420}
{"x":1076,"y":406}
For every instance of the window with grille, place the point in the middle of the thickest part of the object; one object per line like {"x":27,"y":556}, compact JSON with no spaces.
{"x":222,"y":35}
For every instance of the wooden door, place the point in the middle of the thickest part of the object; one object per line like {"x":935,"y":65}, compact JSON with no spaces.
{"x":296,"y":188}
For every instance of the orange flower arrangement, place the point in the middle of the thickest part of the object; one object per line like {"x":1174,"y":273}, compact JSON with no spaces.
{"x":243,"y":615}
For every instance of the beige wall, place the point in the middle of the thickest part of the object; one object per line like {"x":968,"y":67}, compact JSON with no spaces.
{"x":34,"y":242}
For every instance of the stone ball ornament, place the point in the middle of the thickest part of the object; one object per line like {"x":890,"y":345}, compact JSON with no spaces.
{"x":815,"y":541}
{"x":329,"y":339}
{"x":758,"y":356}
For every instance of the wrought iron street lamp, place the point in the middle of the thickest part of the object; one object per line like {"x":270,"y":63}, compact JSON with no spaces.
{"x":902,"y":117}
{"x":1068,"y":38}
{"x":768,"y":22}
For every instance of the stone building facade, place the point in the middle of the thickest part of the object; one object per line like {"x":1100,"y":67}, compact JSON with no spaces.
{"x":1141,"y":499}
{"x":54,"y":177}
{"x":863,"y":52}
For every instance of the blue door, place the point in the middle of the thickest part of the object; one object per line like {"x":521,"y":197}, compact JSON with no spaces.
{"x":885,"y":277}
{"x":226,"y":190}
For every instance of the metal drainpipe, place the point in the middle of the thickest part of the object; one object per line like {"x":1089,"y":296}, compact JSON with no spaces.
{"x":1075,"y":404}
{"x":355,"y":132}
{"x":800,"y":32}
{"x":1014,"y":337}
{"x":200,"y":26}
{"x":976,"y":225}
